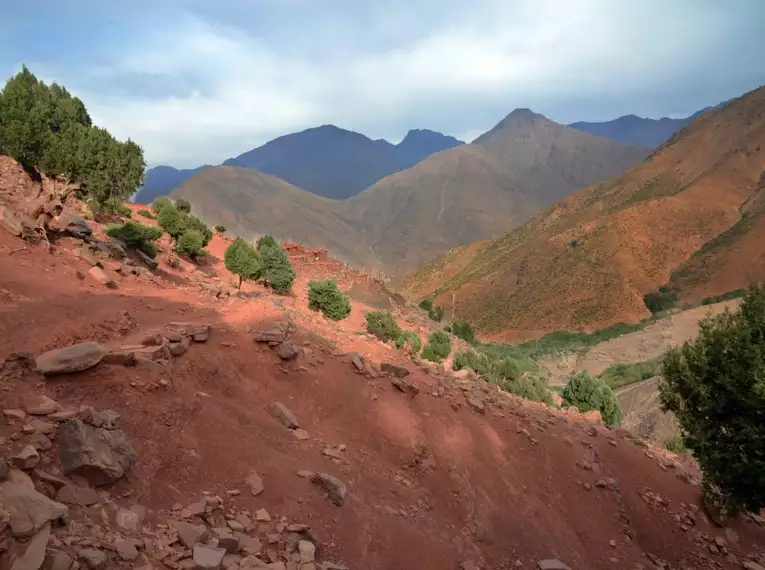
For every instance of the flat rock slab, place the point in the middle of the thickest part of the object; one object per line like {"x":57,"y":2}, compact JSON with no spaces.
{"x":207,"y":557}
{"x":552,"y":564}
{"x":394,"y":370}
{"x":35,"y":554}
{"x":40,"y":405}
{"x":75,"y":358}
{"x":273,"y":333}
{"x":284,"y":415}
{"x":98,"y":455}
{"x":29,"y":510}
{"x":335,"y":488}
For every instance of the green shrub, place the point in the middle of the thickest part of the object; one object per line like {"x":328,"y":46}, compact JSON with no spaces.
{"x":43,"y":126}
{"x":588,"y":393}
{"x":194,"y":223}
{"x":138,"y":236}
{"x":191,"y":243}
{"x":412,"y":339}
{"x":464,"y":331}
{"x":277,"y":269}
{"x":724,"y":297}
{"x":183,"y":205}
{"x":266,"y":241}
{"x":220,"y":229}
{"x":439,"y":346}
{"x":172,"y":221}
{"x":675,"y":445}
{"x":161,"y":203}
{"x":242,"y":259}
{"x":715,"y":385}
{"x":426,"y":304}
{"x":619,"y":375}
{"x":382,"y":325}
{"x":436,"y":314}
{"x":660,"y":300}
{"x":529,"y":387}
{"x":478,"y":363}
{"x":324,"y":296}
{"x":146,"y":214}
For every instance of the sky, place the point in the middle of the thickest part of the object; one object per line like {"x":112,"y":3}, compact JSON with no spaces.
{"x":195,"y":82}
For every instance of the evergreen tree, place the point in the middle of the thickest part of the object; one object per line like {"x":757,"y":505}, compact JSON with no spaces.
{"x":277,"y":269}
{"x":243,"y":260}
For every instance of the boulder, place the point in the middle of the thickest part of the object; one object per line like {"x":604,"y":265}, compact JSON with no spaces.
{"x":287,"y":351}
{"x":29,"y":510}
{"x":273,"y":333}
{"x":405,"y":386}
{"x":394,"y":370}
{"x":27,"y":458}
{"x":255,"y":483}
{"x":41,"y":426}
{"x":99,"y":276}
{"x":307,"y":551}
{"x":34,"y":556}
{"x":76,"y":495}
{"x":72,"y":224}
{"x":146,"y":260}
{"x":335,"y":488}
{"x":208,"y":557}
{"x":189,"y":533}
{"x":98,"y":455}
{"x":75,"y":358}
{"x":40,"y":405}
{"x":358,"y":361}
{"x":107,"y":419}
{"x":284,"y":415}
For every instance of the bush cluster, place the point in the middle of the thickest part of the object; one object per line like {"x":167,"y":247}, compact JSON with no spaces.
{"x":463,"y":330}
{"x":588,"y":393}
{"x":43,"y":126}
{"x":178,"y":223}
{"x":661,"y":300}
{"x":439,"y":346}
{"x":324,"y":296}
{"x":138,"y":236}
{"x":382,"y":325}
{"x":715,"y":386}
{"x":242,"y":259}
{"x":266,"y":261}
{"x":220,"y":229}
{"x":412,"y":339}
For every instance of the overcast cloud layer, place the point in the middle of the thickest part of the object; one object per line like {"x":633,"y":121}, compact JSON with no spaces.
{"x":197,"y":81}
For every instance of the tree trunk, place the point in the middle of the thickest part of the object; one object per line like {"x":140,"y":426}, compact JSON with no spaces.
{"x":240,"y":283}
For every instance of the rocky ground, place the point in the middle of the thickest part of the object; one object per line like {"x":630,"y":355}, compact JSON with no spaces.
{"x":158,"y":419}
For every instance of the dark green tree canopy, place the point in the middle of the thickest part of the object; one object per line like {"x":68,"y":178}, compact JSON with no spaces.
{"x":589,"y":393}
{"x":715,"y":385}
{"x":277,"y":269}
{"x":45,"y":127}
{"x":242,"y":259}
{"x":324,"y":296}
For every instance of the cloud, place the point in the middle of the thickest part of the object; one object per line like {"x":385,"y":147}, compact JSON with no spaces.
{"x":194,"y":85}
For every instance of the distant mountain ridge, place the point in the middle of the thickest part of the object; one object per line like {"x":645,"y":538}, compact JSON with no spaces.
{"x":452,"y":197}
{"x":326,"y":160}
{"x":640,"y":131}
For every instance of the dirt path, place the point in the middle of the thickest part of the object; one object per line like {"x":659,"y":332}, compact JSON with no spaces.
{"x":646,"y":344}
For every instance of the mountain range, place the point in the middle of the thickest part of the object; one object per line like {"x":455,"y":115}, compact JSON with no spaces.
{"x":465,"y":193}
{"x":691,"y":217}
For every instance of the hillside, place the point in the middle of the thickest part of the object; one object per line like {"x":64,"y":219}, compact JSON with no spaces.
{"x":551,"y":160}
{"x":640,"y":131}
{"x":453,"y":197}
{"x":586,"y":262}
{"x":243,"y":430}
{"x":336,"y":163}
{"x":161,"y":180}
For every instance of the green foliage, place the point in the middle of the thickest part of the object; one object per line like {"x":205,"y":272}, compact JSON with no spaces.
{"x":436,"y":314}
{"x":122,"y":210}
{"x":243,"y":260}
{"x":266,"y":241}
{"x":715,"y":386}
{"x":675,"y":445}
{"x":161,"y":203}
{"x":426,"y":304}
{"x":146,"y":214}
{"x":136,"y":235}
{"x":220,"y":229}
{"x":183,"y":205}
{"x":506,"y":373}
{"x":588,"y":393}
{"x":277,"y":269}
{"x":439,"y":346}
{"x":382,"y":325}
{"x":620,"y":375}
{"x":191,"y":243}
{"x":194,"y":223}
{"x":464,"y":331}
{"x":724,"y":297}
{"x":45,"y":127}
{"x":172,"y":221}
{"x":324,"y":296}
{"x":660,"y":300}
{"x":410,"y":338}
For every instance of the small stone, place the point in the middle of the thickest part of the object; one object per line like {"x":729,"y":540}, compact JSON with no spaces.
{"x":127,"y":519}
{"x":358,"y":361}
{"x":250,"y":545}
{"x":63,"y":415}
{"x":552,"y":564}
{"x":469,"y":565}
{"x":179,"y":348}
{"x":41,"y":426}
{"x":335,"y":488}
{"x":612,"y":543}
{"x":751,"y":565}
{"x":608,"y":483}
{"x":394,"y":370}
{"x":92,"y":558}
{"x":305,"y":474}
{"x":255,"y":483}
{"x":57,"y":560}
{"x":99,"y":276}
{"x":127,"y":549}
{"x":40,"y":405}
{"x":15,"y":414}
{"x":189,"y":533}
{"x":226,"y":539}
{"x":27,"y":458}
{"x":207,"y":557}
{"x":244,"y":521}
{"x":40,"y":442}
{"x":261,"y":515}
{"x":307,"y":551}
{"x":235,"y":525}
{"x":107,"y":419}
{"x":284,"y":415}
{"x":300,"y":434}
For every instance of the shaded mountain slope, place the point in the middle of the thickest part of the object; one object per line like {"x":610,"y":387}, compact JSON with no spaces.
{"x":640,"y":131}
{"x":250,"y":203}
{"x":552,"y":160}
{"x":336,"y":163}
{"x":587,"y":261}
{"x":450,"y":198}
{"x":161,"y":180}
